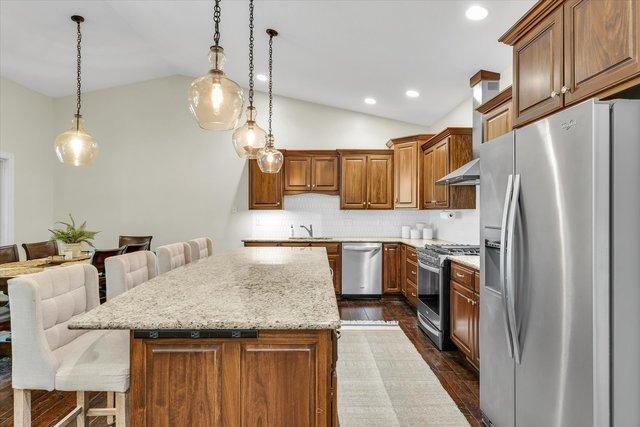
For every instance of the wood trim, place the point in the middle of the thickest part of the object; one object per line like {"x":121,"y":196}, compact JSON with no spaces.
{"x":503,"y":96}
{"x":410,"y":138}
{"x":303,"y":153}
{"x":358,"y":151}
{"x":530,"y":19}
{"x":483,"y":75}
{"x":447,"y":132}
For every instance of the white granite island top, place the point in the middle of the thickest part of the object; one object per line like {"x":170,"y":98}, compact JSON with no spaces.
{"x":249,"y":288}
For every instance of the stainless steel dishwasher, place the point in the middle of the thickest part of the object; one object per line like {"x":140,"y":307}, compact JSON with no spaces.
{"x":361,"y":270}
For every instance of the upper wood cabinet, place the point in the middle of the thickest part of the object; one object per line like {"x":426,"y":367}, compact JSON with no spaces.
{"x":565,"y":51}
{"x":311,"y":171}
{"x":406,"y":163}
{"x":391,"y":268}
{"x":497,"y":115}
{"x":366,"y":179}
{"x":265,"y":189}
{"x":442,"y":154}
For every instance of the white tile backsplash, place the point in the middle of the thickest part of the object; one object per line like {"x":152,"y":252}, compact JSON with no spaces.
{"x":328,"y":220}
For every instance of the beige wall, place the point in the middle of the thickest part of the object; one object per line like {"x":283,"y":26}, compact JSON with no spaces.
{"x":26,"y":131}
{"x":158,"y":173}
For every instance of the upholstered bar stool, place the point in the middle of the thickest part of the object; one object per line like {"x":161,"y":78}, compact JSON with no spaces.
{"x":127,"y":271}
{"x":201,"y":247}
{"x":46,"y":355}
{"x":173,"y":256}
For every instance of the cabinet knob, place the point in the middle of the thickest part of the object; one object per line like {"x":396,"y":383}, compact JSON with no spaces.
{"x":554,"y":94}
{"x":313,"y":185}
{"x":564,"y":89}
{"x":278,"y":203}
{"x":308,"y":186}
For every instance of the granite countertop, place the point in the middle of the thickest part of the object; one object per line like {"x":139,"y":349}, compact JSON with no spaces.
{"x":471,"y":261}
{"x":416,"y":243}
{"x":249,"y":288}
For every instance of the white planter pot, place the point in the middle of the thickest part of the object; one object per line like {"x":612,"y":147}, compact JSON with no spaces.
{"x":74,"y":248}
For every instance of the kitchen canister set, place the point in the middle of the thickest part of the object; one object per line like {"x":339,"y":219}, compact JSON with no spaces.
{"x":420,"y":231}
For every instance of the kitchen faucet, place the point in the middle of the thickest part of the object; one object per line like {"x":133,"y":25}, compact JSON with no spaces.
{"x":309,"y":229}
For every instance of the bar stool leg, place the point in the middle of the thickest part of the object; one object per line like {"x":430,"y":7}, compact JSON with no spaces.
{"x":121,"y":409}
{"x":21,"y":408}
{"x":111,"y":403}
{"x":82,"y":399}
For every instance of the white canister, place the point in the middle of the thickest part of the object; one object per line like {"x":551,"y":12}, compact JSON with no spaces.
{"x":427,"y":233}
{"x":420,"y":226}
{"x":415,"y":234}
{"x":406,"y":231}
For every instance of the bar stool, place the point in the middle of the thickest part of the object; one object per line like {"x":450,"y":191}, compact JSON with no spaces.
{"x":127,"y":271}
{"x":201,"y":247}
{"x":173,"y":256}
{"x":46,"y":355}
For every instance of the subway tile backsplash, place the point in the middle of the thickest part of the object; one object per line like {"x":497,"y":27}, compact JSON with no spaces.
{"x":328,"y":220}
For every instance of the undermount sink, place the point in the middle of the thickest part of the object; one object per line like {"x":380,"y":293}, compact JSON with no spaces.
{"x":310,"y":238}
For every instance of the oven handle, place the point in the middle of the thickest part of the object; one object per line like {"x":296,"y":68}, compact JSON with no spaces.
{"x":426,"y":267}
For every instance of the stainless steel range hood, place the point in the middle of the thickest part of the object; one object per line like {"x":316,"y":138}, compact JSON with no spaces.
{"x":485,"y":86}
{"x":467,"y":174}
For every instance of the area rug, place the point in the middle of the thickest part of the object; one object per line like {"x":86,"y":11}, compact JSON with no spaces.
{"x":383,"y":381}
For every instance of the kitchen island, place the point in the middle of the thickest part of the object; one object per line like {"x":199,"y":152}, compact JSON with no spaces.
{"x":246,"y":337}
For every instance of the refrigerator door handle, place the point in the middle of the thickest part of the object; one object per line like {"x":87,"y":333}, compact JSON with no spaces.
{"x":503,"y":251}
{"x":511,"y":303}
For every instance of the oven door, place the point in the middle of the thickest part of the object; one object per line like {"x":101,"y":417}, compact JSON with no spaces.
{"x":429,"y":289}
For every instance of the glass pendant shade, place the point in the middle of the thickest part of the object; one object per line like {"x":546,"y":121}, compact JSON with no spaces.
{"x":249,"y":139}
{"x":269,"y":159}
{"x":215,"y":100}
{"x":75,"y":146}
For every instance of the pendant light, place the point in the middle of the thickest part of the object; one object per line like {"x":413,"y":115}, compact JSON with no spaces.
{"x":269,"y":159}
{"x":250,"y":138}
{"x":214,"y":99}
{"x":75,"y":146}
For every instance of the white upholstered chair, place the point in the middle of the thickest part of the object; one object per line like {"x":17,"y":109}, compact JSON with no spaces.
{"x":201,"y":247}
{"x":173,"y":256}
{"x":127,"y":271}
{"x":46,"y":355}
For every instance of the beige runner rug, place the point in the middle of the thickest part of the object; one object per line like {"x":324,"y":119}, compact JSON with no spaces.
{"x":383,"y":381}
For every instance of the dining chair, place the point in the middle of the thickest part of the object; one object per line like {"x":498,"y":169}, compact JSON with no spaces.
{"x":128,"y":240}
{"x":135,"y":247}
{"x":9,"y":253}
{"x":127,"y":271}
{"x":98,"y":259}
{"x":173,"y":256}
{"x":201,"y":247}
{"x":46,"y":355}
{"x":40,"y":249}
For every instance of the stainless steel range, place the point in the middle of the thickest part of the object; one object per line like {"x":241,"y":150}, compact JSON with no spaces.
{"x":433,"y":290}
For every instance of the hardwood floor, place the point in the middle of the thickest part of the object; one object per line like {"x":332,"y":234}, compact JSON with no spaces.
{"x":456,"y":375}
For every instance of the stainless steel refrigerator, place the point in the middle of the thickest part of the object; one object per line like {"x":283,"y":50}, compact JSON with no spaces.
{"x":560,"y":270}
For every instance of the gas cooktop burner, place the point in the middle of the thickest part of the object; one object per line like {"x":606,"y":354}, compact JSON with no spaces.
{"x":454,"y":249}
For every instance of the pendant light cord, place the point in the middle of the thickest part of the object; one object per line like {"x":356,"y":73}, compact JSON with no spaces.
{"x":270,"y":84}
{"x":216,"y":20}
{"x":78,"y":79}
{"x":250,"y":53}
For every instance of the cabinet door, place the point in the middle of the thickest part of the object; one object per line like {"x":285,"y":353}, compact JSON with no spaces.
{"x":405,"y":163}
{"x":353,"y":177}
{"x":462,"y":315}
{"x":601,"y":45}
{"x":324,"y":173}
{"x":441,"y":168}
{"x":537,"y":70}
{"x":380,"y":181}
{"x":390,"y":268}
{"x":334,"y":264}
{"x":297,"y":173}
{"x":497,"y":122}
{"x":428,"y":183}
{"x":265,"y":189}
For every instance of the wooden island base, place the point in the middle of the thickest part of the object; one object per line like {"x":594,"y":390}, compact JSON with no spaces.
{"x":280,"y":378}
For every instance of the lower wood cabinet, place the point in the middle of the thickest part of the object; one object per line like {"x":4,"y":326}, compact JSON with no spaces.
{"x":411,"y":294}
{"x":391,"y":268}
{"x":403,"y":269}
{"x":279,"y":378}
{"x":465,"y":312}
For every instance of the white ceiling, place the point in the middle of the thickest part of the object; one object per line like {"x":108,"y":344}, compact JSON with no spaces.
{"x":330,"y":52}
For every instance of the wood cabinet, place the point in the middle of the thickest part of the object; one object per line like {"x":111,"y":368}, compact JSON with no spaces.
{"x":497,"y":115}
{"x":408,"y":274}
{"x":565,"y":51}
{"x":265,"y":189}
{"x":441,"y":155}
{"x":278,"y":378}
{"x":406,"y":163}
{"x":391,"y":268}
{"x":465,"y":311}
{"x":366,"y":179}
{"x":403,"y":268}
{"x":311,"y":172}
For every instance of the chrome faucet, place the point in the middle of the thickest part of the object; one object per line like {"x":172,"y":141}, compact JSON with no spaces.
{"x":309,"y":229}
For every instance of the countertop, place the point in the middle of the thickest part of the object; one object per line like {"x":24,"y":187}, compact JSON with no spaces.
{"x":248,"y":288}
{"x":416,"y":243}
{"x":471,"y":261}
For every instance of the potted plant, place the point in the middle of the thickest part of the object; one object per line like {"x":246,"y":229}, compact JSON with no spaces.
{"x":73,"y":237}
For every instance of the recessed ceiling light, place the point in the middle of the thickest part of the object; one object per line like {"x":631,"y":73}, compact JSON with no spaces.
{"x":476,"y":13}
{"x":370,"y":101}
{"x":412,"y":93}
{"x":262,"y":77}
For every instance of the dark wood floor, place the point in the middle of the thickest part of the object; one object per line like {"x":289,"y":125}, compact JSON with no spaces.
{"x":456,"y":375}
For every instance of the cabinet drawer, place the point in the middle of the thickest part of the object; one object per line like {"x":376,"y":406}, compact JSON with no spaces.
{"x":462,"y":275}
{"x":295,"y":244}
{"x":412,"y":294}
{"x":411,"y":270}
{"x":411,"y":254}
{"x":332,"y":248}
